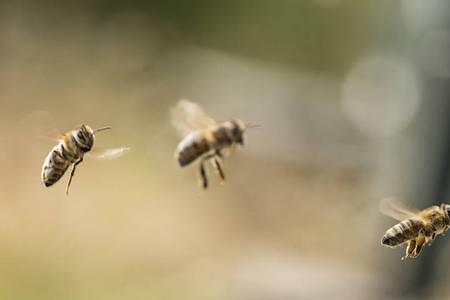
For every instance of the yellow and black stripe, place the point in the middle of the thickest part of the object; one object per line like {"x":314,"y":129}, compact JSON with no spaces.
{"x":402,"y":232}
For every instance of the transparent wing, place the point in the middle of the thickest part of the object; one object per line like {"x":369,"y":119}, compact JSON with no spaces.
{"x":397,"y":210}
{"x":108,"y":154}
{"x":188,"y":116}
{"x":40,"y":124}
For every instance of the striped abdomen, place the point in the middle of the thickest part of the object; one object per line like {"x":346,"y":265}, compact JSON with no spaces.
{"x":402,"y":232}
{"x":58,"y":161}
{"x":192,"y":147}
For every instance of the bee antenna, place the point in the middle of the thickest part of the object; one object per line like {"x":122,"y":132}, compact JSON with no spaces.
{"x":249,"y":126}
{"x":101,"y":129}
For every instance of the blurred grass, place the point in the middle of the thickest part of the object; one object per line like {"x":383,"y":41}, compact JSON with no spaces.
{"x":319,"y":35}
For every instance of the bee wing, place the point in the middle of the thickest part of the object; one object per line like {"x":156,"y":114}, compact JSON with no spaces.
{"x":188,"y":116}
{"x":397,"y":210}
{"x":109,"y":153}
{"x":40,"y":124}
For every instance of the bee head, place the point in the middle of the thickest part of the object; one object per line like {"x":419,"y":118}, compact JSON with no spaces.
{"x":446,"y":209}
{"x":84,"y":137}
{"x":237,"y":130}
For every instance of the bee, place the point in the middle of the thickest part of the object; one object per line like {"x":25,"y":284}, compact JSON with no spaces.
{"x":70,"y":151}
{"x":417,"y":228}
{"x":204,"y":138}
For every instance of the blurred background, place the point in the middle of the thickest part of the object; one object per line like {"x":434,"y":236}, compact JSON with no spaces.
{"x":353,"y":101}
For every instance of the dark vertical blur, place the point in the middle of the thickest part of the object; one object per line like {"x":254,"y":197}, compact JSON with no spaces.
{"x":433,"y":189}
{"x":428,"y":35}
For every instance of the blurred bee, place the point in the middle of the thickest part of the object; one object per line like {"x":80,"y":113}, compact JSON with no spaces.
{"x":417,"y":228}
{"x":70,"y":151}
{"x":204,"y":138}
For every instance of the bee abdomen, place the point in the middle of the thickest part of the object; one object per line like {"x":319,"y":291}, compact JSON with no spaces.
{"x":402,"y":232}
{"x":54,"y":167}
{"x":191,"y":147}
{"x":51,"y":174}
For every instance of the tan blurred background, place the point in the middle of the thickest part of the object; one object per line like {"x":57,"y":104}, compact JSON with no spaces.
{"x":352,"y":98}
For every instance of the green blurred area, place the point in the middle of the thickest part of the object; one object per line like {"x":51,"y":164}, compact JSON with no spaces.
{"x":294,"y":33}
{"x":320,"y":35}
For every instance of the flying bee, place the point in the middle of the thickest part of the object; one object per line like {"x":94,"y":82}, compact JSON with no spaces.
{"x":204,"y":138}
{"x":70,"y":151}
{"x":417,"y":228}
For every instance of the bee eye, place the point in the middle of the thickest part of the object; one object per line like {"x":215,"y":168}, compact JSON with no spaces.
{"x":80,"y":135}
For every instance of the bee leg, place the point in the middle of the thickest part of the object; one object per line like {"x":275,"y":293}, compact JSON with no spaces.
{"x":218,"y":166}
{"x":219,"y":153}
{"x":203,"y":176}
{"x":419,"y":244}
{"x":218,"y":161}
{"x":433,"y":236}
{"x":429,"y":235}
{"x":74,"y":166}
{"x":410,"y":249}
